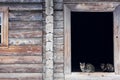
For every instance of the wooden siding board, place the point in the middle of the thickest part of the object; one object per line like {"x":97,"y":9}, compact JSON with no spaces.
{"x":21,"y":76}
{"x":21,"y":1}
{"x":58,"y":15}
{"x":25,"y":33}
{"x":25,"y":25}
{"x":22,"y":7}
{"x":21,"y":68}
{"x":25,"y":16}
{"x":21,"y":51}
{"x":20,"y":59}
{"x":25,"y":41}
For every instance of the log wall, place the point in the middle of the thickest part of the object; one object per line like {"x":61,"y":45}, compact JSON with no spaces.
{"x":23,"y":59}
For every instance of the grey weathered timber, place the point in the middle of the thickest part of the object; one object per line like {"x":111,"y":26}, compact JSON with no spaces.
{"x":25,"y":16}
{"x":21,"y":25}
{"x":25,"y":33}
{"x":21,"y":68}
{"x":21,"y":1}
{"x":21,"y":51}
{"x":20,"y":59}
{"x":49,"y":40}
{"x":23,"y":7}
{"x":78,"y":1}
{"x":25,"y":41}
{"x":21,"y":76}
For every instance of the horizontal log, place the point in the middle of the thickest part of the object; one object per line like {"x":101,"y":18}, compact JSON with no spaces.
{"x":58,"y":75}
{"x":58,"y":6}
{"x":22,"y":7}
{"x":25,"y":25}
{"x":58,"y":33}
{"x":21,"y":76}
{"x":21,"y":68}
{"x":25,"y":16}
{"x":20,"y":59}
{"x":25,"y":41}
{"x":21,"y":1}
{"x":58,"y":0}
{"x":58,"y":40}
{"x":21,"y":51}
{"x":58,"y":57}
{"x":58,"y":68}
{"x":58,"y":47}
{"x":58,"y":15}
{"x":8,"y":79}
{"x":25,"y":33}
{"x":58,"y":24}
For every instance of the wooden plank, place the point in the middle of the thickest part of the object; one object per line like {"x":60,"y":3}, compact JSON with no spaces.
{"x":22,"y":7}
{"x":20,"y":59}
{"x":25,"y":33}
{"x":25,"y":16}
{"x":58,"y":15}
{"x":8,"y":79}
{"x":58,"y":40}
{"x":58,"y":6}
{"x":22,"y":76}
{"x":93,"y":7}
{"x":78,"y":1}
{"x":58,"y":24}
{"x":21,"y":51}
{"x":21,"y":68}
{"x":21,"y":1}
{"x":25,"y":41}
{"x":67,"y":40}
{"x":25,"y":25}
{"x":58,"y":68}
{"x":58,"y":33}
{"x":117,"y":39}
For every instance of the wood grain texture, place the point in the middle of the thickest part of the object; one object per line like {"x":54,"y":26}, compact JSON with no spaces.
{"x":21,"y":51}
{"x":20,"y":25}
{"x":25,"y":33}
{"x":25,"y":41}
{"x":22,"y":7}
{"x":22,"y":76}
{"x":20,"y":59}
{"x":25,"y":16}
{"x":21,"y":68}
{"x":78,"y":1}
{"x":21,"y":1}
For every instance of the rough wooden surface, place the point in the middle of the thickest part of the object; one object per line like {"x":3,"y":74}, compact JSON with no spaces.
{"x":21,"y":68}
{"x":23,"y":59}
{"x":20,"y":25}
{"x":77,"y":1}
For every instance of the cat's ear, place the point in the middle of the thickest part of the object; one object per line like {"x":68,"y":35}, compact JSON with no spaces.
{"x":80,"y":63}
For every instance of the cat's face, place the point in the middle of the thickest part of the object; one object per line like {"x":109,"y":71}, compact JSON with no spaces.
{"x":102,"y":66}
{"x":82,"y":65}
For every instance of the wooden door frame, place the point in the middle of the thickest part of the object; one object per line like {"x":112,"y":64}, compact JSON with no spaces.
{"x":90,"y":7}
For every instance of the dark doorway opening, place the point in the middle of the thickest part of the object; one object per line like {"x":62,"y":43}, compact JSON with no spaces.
{"x":91,"y":39}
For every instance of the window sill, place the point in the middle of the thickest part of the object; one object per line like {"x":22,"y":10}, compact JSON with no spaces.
{"x":100,"y":74}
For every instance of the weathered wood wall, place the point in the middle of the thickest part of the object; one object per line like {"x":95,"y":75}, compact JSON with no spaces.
{"x":58,"y":40}
{"x":23,"y":60}
{"x":25,"y":57}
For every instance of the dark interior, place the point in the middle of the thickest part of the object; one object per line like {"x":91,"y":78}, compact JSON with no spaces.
{"x":91,"y":39}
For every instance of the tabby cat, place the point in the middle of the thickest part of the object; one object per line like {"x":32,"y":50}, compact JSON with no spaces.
{"x":107,"y":67}
{"x":87,"y":67}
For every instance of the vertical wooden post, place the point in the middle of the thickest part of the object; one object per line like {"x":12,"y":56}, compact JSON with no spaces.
{"x":117,"y":40}
{"x":49,"y":40}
